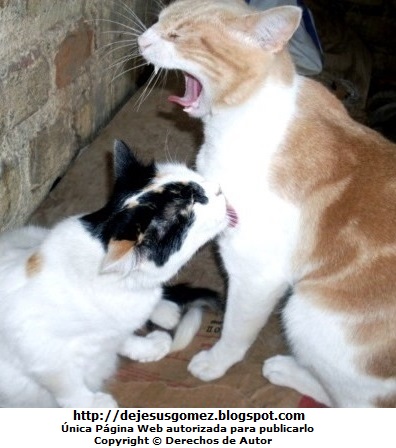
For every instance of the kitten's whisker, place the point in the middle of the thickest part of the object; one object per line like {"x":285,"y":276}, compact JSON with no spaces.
{"x":166,"y":148}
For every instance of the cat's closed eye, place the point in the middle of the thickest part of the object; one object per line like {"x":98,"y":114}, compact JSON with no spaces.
{"x":172,"y":35}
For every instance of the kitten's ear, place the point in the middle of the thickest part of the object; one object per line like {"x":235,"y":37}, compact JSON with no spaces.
{"x":129,"y":171}
{"x":274,"y":27}
{"x":124,"y":159}
{"x":120,"y":258}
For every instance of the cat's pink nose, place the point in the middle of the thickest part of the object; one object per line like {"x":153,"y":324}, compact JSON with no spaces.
{"x":144,"y":42}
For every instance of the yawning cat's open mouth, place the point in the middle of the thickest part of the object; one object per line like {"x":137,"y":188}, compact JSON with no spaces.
{"x":191,"y":99}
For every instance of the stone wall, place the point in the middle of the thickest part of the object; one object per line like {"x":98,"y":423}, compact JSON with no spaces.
{"x":57,"y":89}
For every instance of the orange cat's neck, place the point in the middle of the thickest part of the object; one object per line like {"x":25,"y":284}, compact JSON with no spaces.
{"x":262,"y":70}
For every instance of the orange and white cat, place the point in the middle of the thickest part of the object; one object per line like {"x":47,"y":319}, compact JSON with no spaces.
{"x":315,"y":194}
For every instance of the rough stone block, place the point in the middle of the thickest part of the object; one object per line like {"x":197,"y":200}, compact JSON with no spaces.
{"x":75,"y":49}
{"x":11,"y":181}
{"x":26,"y":88}
{"x":50,"y":12}
{"x":49,"y":153}
{"x":83,"y":123}
{"x":5,"y":198}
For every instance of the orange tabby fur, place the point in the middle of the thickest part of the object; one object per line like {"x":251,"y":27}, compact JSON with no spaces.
{"x":340,"y":174}
{"x":344,"y":174}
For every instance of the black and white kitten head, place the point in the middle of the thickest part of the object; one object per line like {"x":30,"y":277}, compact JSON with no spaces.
{"x":157,"y":217}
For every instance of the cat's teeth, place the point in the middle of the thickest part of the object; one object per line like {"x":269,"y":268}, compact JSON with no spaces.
{"x":156,"y":69}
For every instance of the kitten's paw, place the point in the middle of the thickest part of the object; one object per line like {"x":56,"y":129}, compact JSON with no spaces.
{"x":206,"y":366}
{"x":280,"y":370}
{"x":166,"y":314}
{"x":158,"y":346}
{"x":102,"y":400}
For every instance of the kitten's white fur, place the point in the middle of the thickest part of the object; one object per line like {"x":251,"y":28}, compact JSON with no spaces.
{"x":62,"y":327}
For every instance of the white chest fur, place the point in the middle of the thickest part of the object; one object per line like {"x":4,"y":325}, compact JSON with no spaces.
{"x":237,"y":153}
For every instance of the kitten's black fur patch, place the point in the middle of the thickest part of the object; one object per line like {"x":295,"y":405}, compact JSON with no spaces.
{"x":158,"y":223}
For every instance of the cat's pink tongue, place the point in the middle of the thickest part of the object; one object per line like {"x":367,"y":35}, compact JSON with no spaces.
{"x":232,"y":216}
{"x":191,"y":94}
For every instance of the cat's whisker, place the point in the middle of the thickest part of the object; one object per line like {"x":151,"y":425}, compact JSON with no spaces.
{"x":131,"y":27}
{"x":122,"y":44}
{"x":143,"y":96}
{"x":126,"y":33}
{"x":120,"y":61}
{"x":154,"y":77}
{"x":161,"y":74}
{"x":128,"y":70}
{"x":151,"y":12}
{"x":134,"y":19}
{"x":163,"y":79}
{"x":119,"y":44}
{"x":117,"y":23}
{"x":119,"y":47}
{"x":132,"y":14}
{"x":147,"y":86}
{"x":125,"y":58}
{"x":160,"y":4}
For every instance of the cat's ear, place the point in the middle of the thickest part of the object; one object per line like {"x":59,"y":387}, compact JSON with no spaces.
{"x":129,"y":171}
{"x":274,"y":27}
{"x":121,"y":258}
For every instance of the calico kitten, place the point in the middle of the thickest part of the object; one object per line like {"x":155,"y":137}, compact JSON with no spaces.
{"x":72,"y":297}
{"x":283,"y":146}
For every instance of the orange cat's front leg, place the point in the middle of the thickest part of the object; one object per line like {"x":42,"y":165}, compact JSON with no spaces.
{"x":249,"y":304}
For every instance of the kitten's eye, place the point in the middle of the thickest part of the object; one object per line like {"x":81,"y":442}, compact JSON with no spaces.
{"x":173,"y":35}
